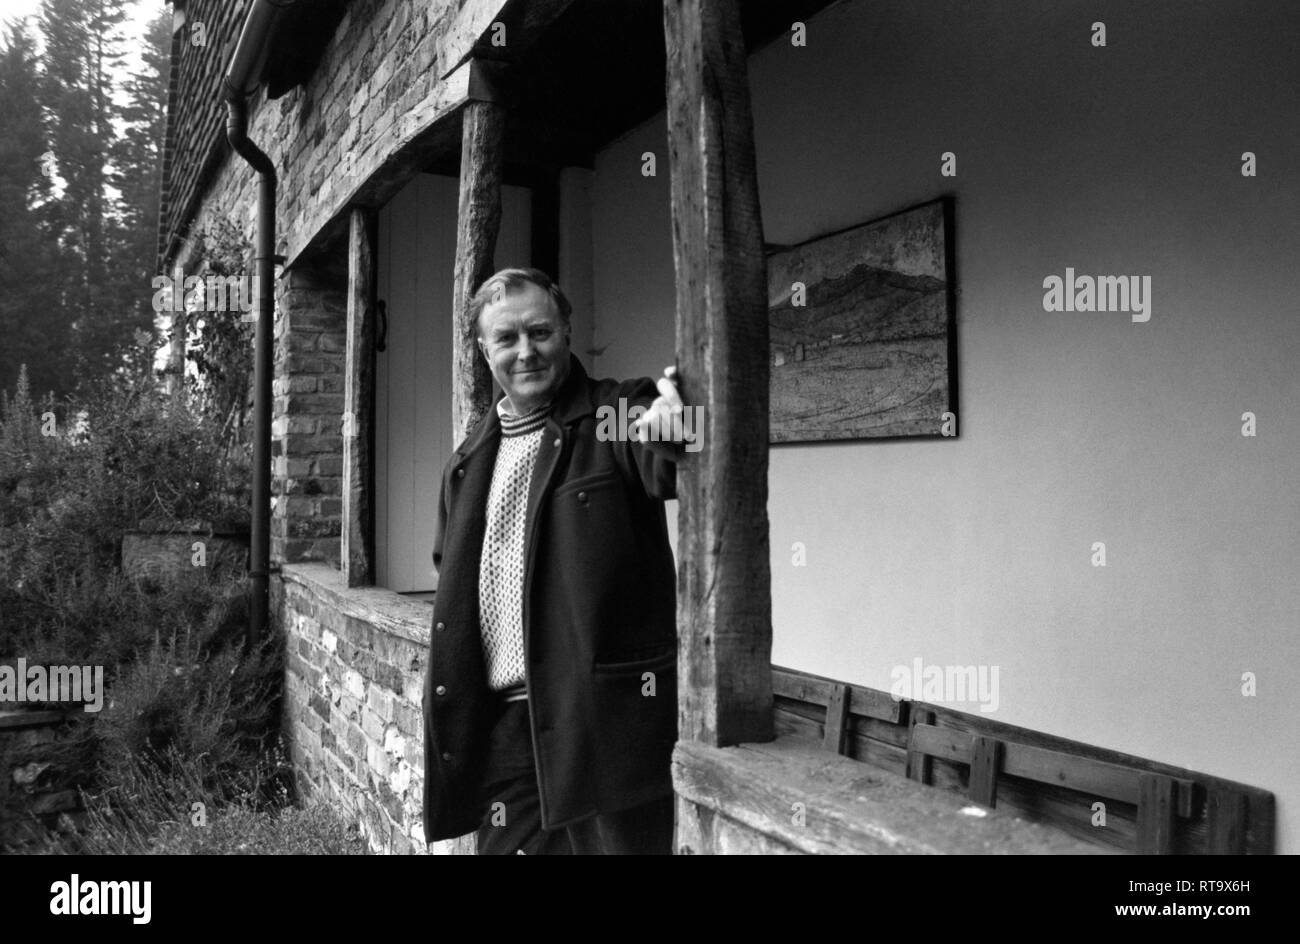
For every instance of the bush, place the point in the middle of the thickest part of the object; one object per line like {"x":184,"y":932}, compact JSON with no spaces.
{"x":193,"y":708}
{"x":67,"y":499}
{"x":191,"y":713}
{"x":201,"y":696}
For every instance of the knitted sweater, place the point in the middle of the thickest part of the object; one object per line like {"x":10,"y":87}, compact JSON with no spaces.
{"x":501,"y":563}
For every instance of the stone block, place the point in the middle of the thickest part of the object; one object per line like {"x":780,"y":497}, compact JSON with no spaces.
{"x":356,"y":741}
{"x":381,"y":703}
{"x":354,"y":683}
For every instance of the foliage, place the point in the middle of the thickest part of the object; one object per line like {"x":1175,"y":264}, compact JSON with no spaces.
{"x":193,"y":709}
{"x":67,"y":499}
{"x":80,"y":175}
{"x":199,"y":693}
{"x":220,"y":344}
{"x":36,"y":328}
{"x":187,"y":759}
{"x":170,"y":814}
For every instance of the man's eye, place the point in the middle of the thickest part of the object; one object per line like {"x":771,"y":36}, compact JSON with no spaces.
{"x":542,"y":333}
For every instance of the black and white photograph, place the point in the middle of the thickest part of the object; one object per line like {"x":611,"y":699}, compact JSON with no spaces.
{"x":651,"y":427}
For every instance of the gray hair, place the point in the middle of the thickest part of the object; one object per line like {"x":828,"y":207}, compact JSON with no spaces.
{"x":508,"y":280}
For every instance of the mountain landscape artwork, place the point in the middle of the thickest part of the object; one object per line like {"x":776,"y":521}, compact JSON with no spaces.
{"x":861,"y":331}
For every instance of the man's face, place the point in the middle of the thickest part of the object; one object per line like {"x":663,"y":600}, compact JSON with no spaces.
{"x":526,"y":345}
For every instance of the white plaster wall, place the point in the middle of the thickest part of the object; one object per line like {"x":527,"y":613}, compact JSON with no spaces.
{"x":1075,"y":427}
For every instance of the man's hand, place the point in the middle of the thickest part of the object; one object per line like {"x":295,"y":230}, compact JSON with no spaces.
{"x":662,"y":428}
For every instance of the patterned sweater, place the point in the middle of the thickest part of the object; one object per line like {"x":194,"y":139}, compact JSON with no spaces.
{"x":501,"y":564}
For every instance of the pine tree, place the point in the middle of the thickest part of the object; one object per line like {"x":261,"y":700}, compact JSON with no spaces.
{"x":83,"y":47}
{"x":137,"y":175}
{"x":33,"y":323}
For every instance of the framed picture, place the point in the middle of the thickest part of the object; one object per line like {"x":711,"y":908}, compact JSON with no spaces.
{"x":862,"y":331}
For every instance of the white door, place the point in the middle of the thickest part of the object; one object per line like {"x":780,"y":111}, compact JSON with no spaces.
{"x":413,"y":435}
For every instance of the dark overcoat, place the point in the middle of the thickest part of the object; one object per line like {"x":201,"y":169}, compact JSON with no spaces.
{"x":599,"y":618}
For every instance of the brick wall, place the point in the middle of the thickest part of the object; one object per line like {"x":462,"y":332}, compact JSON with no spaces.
{"x":306,"y":432}
{"x":374,"y":89}
{"x":324,"y":138}
{"x":195,"y":144}
{"x":353,"y":695}
{"x":354,"y":680}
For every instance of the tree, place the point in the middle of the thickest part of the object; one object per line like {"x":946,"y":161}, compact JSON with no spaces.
{"x":137,"y":176}
{"x":83,"y":48}
{"x":33,"y":324}
{"x":80,"y":175}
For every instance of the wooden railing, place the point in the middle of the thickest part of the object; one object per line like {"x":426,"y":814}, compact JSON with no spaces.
{"x":1102,"y":796}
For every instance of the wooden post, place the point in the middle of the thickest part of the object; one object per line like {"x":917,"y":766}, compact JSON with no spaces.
{"x":724,"y":603}
{"x":1226,"y":813}
{"x":985,"y":764}
{"x":478,"y":220}
{"x":919,"y":764}
{"x":1156,"y":811}
{"x":836,"y":728}
{"x":358,"y":392}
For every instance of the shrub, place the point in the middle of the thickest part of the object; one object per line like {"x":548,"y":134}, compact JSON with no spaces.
{"x":198,"y":695}
{"x":191,"y":713}
{"x":66,"y":500}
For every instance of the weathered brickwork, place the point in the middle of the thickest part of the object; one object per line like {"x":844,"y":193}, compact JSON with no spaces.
{"x":353,"y":684}
{"x":306,"y":432}
{"x":353,"y":695}
{"x":375,"y":88}
{"x":377,"y":78}
{"x":195,"y":143}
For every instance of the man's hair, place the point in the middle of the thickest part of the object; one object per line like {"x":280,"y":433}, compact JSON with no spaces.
{"x":509,"y":280}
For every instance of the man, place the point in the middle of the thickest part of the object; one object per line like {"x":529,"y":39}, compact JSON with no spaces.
{"x":550,"y":705}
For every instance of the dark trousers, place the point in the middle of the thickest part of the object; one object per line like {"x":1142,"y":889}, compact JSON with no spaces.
{"x":512,"y":819}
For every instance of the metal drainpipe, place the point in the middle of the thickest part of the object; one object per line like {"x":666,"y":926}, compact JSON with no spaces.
{"x":243,"y":78}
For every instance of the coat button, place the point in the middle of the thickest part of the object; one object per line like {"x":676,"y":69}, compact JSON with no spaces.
{"x":582,"y":496}
{"x":556,"y":444}
{"x":440,"y":627}
{"x":440,"y":690}
{"x":460,"y":473}
{"x":446,"y":755}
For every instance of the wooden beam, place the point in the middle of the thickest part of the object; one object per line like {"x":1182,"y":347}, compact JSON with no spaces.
{"x":358,"y":400}
{"x":985,"y":761}
{"x":724,"y":601}
{"x":866,"y":702}
{"x":1226,"y":813}
{"x":919,"y":766}
{"x":1155,"y":817}
{"x":478,"y":220}
{"x":788,"y":795}
{"x":35,"y":719}
{"x":471,"y":30}
{"x":837,"y":718}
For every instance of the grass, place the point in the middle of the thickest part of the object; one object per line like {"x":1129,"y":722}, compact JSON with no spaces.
{"x":173,"y":806}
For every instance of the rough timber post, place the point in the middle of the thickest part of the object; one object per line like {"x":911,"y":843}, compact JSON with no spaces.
{"x":357,"y":396}
{"x":478,"y":220}
{"x":724,"y":610}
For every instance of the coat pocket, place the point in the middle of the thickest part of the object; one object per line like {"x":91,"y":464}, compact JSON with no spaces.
{"x":636,"y":727}
{"x":593,"y":482}
{"x":654,"y":658}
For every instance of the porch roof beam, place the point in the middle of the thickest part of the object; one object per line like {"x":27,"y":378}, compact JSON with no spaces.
{"x":422,"y":132}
